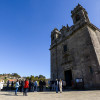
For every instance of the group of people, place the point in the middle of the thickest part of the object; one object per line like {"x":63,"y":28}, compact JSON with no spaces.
{"x":42,"y":85}
{"x":25,"y":86}
{"x":56,"y":85}
{"x":31,"y":86}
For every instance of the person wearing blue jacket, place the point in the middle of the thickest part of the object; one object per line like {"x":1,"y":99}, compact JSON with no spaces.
{"x":35,"y":85}
{"x":56,"y":85}
{"x":16,"y":86}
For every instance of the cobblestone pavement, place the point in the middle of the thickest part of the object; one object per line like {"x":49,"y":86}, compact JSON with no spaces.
{"x":68,"y":95}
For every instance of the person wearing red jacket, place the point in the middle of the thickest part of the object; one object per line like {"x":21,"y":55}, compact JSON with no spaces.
{"x":26,"y":86}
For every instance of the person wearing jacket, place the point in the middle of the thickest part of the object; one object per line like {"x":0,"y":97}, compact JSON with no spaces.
{"x":7,"y":88}
{"x":26,"y":86}
{"x":35,"y":85}
{"x":56,"y":85}
{"x":60,"y":86}
{"x":32,"y":86}
{"x":22,"y":86}
{"x":12,"y":85}
{"x":16,"y":86}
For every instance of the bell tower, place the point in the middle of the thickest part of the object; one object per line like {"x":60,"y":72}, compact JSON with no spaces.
{"x":55,"y":35}
{"x":79,"y":14}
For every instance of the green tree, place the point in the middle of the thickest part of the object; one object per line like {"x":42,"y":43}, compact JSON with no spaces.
{"x":32,"y":78}
{"x":36,"y":78}
{"x":28,"y":77}
{"x":41,"y":76}
{"x":16,"y":75}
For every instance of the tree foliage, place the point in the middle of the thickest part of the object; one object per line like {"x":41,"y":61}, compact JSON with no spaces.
{"x":16,"y":75}
{"x":36,"y":78}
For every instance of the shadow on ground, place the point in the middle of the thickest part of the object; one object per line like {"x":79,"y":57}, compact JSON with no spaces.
{"x":10,"y":95}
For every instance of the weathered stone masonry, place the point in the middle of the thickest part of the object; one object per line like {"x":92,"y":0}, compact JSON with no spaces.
{"x":76,"y":48}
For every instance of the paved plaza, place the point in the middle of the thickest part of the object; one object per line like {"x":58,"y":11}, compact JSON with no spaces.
{"x":68,"y":95}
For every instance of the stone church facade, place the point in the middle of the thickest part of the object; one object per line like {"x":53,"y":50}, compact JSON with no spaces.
{"x":75,"y":51}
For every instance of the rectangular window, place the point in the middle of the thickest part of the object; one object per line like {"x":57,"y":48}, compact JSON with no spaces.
{"x":65,"y":48}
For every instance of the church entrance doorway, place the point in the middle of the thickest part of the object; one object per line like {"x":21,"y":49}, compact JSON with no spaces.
{"x":68,"y":78}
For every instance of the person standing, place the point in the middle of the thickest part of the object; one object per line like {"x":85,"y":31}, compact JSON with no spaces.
{"x":16,"y":86}
{"x":32,"y":86}
{"x":26,"y":86}
{"x":50,"y":85}
{"x":56,"y":85}
{"x":22,"y":86}
{"x":44,"y":85}
{"x":60,"y":86}
{"x":35,"y":85}
{"x":12,"y":85}
{"x":53,"y":85}
{"x":40,"y":85}
{"x":7,"y":85}
{"x":1,"y":85}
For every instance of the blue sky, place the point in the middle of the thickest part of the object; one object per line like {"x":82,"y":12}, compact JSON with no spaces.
{"x":25,"y":28}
